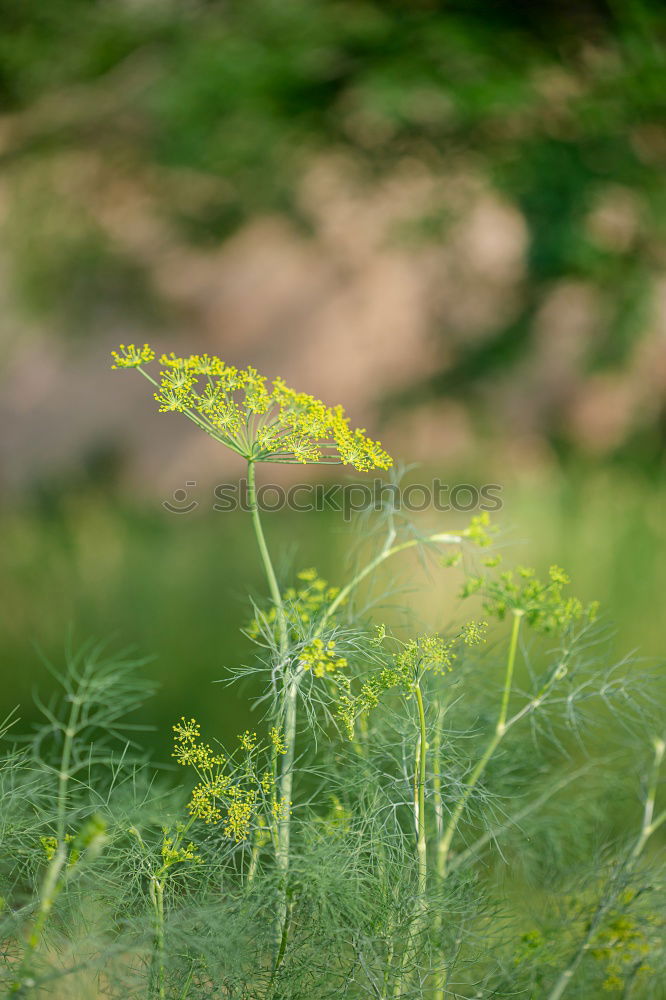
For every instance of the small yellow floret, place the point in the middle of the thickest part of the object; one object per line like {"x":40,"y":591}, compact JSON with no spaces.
{"x":130,"y":356}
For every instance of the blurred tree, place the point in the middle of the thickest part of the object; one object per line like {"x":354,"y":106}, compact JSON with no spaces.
{"x":560,"y":106}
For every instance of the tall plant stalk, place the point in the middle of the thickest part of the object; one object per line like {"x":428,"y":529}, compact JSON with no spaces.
{"x":501,"y":728}
{"x":446,"y":840}
{"x":419,"y":799}
{"x":56,"y":872}
{"x":648,"y":826}
{"x":419,"y":915}
{"x":288,"y":711}
{"x":271,"y":578}
{"x":156,"y":892}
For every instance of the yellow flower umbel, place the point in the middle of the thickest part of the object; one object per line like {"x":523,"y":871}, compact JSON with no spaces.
{"x":321,"y":658}
{"x":262,"y":422}
{"x":302,"y":605}
{"x":235,"y":795}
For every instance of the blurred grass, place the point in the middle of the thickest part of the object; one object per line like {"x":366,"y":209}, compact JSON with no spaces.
{"x":176,"y":586}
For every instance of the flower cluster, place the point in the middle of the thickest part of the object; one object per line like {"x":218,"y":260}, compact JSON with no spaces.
{"x":132,"y":357}
{"x":240,"y":811}
{"x":302,"y":606}
{"x":277,"y":739}
{"x":426,"y":654}
{"x":321,"y":658}
{"x":175,"y":852}
{"x":434,"y":654}
{"x":189,"y":748}
{"x":50,"y":845}
{"x":228,"y":793}
{"x":545,"y":605}
{"x":261,"y":421}
{"x":479,"y":531}
{"x":91,"y":837}
{"x":623,"y":947}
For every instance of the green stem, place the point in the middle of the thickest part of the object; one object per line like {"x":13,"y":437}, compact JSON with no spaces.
{"x":418,"y":918}
{"x":648,"y":827}
{"x":495,"y":832}
{"x":254,"y":860}
{"x":265,"y":557}
{"x":441,"y":974}
{"x":419,"y":798}
{"x":284,"y":824}
{"x":650,"y":824}
{"x":157,"y":900}
{"x":289,"y":709}
{"x":386,"y":553}
{"x":52,"y":886}
{"x":438,"y":798}
{"x":513,"y":646}
{"x":482,"y":763}
{"x":54,"y":878}
{"x":63,"y":774}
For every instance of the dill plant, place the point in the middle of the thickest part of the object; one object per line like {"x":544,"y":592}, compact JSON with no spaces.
{"x":428,"y":815}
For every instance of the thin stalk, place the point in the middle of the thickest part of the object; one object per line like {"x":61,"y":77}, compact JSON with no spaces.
{"x":388,"y":966}
{"x":254,"y":860}
{"x":648,"y":826}
{"x":386,"y":553}
{"x":284,"y":824}
{"x":446,"y":839}
{"x":464,"y":856}
{"x":188,"y":983}
{"x":157,"y":973}
{"x":441,"y":974}
{"x":53,"y":884}
{"x":63,"y":774}
{"x":438,"y":801}
{"x":419,"y":799}
{"x":271,"y":578}
{"x":289,"y":711}
{"x":419,"y":916}
{"x":156,"y":886}
{"x":513,"y":646}
{"x":55,"y":877}
{"x":500,"y":730}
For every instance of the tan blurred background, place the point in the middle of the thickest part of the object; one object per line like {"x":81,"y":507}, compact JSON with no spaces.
{"x":448,"y":217}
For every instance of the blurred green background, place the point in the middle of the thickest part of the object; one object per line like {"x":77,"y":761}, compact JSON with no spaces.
{"x":447,"y":216}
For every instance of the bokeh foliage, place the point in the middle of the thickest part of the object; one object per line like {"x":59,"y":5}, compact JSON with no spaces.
{"x":558,"y":106}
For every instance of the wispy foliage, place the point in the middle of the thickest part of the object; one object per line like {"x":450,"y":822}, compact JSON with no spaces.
{"x":426,"y":816}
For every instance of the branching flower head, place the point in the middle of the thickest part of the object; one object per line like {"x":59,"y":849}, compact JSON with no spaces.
{"x":430,"y":653}
{"x":174,"y":851}
{"x":229,"y":793}
{"x":436,"y":655}
{"x":321,"y":657}
{"x":302,"y":606}
{"x":264,"y":422}
{"x":546,"y":606}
